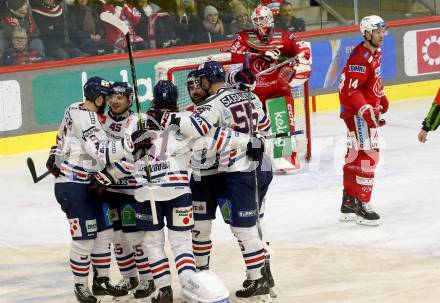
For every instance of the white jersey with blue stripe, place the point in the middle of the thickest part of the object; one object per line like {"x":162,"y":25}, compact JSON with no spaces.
{"x":83,"y":145}
{"x":168,"y":160}
{"x":124,"y":182}
{"x":223,"y":118}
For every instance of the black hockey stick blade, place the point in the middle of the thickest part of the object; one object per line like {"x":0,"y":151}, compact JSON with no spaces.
{"x":285,"y":135}
{"x":31,"y":166}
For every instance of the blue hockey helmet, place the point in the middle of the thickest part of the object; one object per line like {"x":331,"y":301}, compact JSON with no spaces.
{"x":213,"y":71}
{"x":193,"y":78}
{"x":95,"y":87}
{"x":165,"y":95}
{"x":124,"y":89}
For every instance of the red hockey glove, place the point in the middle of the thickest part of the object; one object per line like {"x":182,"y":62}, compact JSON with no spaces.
{"x":51,"y":163}
{"x":367,"y":113}
{"x":141,"y":140}
{"x":271,"y":55}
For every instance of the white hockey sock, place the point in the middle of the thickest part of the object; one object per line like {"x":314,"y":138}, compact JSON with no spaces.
{"x":153,"y":245}
{"x":252,"y":250}
{"x":101,"y":253}
{"x":141,"y":257}
{"x":180,"y":242}
{"x":124,"y":255}
{"x":80,"y":259}
{"x":201,"y":242}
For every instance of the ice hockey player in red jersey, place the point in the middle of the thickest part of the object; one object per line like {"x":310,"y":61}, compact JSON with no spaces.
{"x":264,"y":47}
{"x":362,"y":101}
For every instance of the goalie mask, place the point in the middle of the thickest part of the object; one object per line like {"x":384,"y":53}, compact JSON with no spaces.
{"x":262,"y":19}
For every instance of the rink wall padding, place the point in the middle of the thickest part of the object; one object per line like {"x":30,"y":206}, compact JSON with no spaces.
{"x":33,"y":97}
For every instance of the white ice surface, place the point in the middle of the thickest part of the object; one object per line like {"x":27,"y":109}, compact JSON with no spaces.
{"x":302,"y":208}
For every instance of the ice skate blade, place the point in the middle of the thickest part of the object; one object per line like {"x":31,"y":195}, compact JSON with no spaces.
{"x":272,"y":293}
{"x":362,"y":221}
{"x":348,"y":217}
{"x":255,"y":299}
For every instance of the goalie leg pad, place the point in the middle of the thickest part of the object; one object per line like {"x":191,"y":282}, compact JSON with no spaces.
{"x":252,"y":250}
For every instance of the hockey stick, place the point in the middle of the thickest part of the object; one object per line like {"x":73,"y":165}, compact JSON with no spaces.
{"x":285,"y":135}
{"x":271,"y":69}
{"x":119,"y":24}
{"x":31,"y":166}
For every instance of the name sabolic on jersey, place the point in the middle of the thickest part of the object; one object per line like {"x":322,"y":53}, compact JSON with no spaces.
{"x":84,"y":145}
{"x":223,"y":125}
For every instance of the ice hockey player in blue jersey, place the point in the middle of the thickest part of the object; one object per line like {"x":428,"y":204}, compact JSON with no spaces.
{"x":82,"y":151}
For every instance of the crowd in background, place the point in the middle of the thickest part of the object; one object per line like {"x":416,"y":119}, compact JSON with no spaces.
{"x":47,"y":30}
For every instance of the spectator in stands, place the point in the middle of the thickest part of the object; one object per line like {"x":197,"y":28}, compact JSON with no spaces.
{"x":188,"y":22}
{"x":156,"y":25}
{"x":85,"y":28}
{"x":19,"y":52}
{"x":18,"y":15}
{"x":287,"y":21}
{"x":213,"y":28}
{"x":274,"y":5}
{"x":241,"y":20}
{"x":49,"y":17}
{"x":130,"y":15}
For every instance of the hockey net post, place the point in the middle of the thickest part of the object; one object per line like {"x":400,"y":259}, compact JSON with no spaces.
{"x":177,"y":71}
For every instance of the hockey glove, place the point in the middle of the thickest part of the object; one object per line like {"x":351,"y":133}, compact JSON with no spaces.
{"x":99,"y":183}
{"x":159,"y":119}
{"x":255,"y":147}
{"x":271,"y":55}
{"x":246,"y":79}
{"x":141,"y":140}
{"x":368,"y":114}
{"x":51,"y":163}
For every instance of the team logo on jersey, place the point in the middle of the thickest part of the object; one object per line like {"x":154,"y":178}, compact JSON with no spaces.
{"x":378,"y":88}
{"x":357,"y":69}
{"x":183,"y":216}
{"x":260,"y":64}
{"x":199,"y":207}
{"x":75,"y":228}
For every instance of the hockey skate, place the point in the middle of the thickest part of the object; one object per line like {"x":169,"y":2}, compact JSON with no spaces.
{"x":165,"y":295}
{"x":265,"y":271}
{"x":348,"y":208}
{"x":145,"y":289}
{"x":127,"y":283}
{"x":83,"y":294}
{"x":102,"y":287}
{"x":365,"y":215}
{"x":255,"y":291}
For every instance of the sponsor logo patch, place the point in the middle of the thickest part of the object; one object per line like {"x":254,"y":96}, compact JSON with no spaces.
{"x":183,"y":216}
{"x":199,"y":207}
{"x":247,"y":213}
{"x":75,"y":228}
{"x":357,"y":69}
{"x":128,"y":216}
{"x":91,"y":226}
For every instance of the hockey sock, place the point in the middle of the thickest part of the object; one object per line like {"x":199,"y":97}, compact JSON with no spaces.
{"x":252,"y":250}
{"x":141,"y":257}
{"x":181,"y":245}
{"x":101,"y":253}
{"x":80,"y":259}
{"x":154,"y":247}
{"x":201,"y":242}
{"x":124,"y":255}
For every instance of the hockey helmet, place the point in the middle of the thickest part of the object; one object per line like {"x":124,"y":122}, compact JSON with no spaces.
{"x":370,"y":23}
{"x":193,"y":78}
{"x":262,"y":19}
{"x":124,"y":89}
{"x":204,"y":287}
{"x":165,"y":95}
{"x":95,"y":87}
{"x":213,"y":71}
